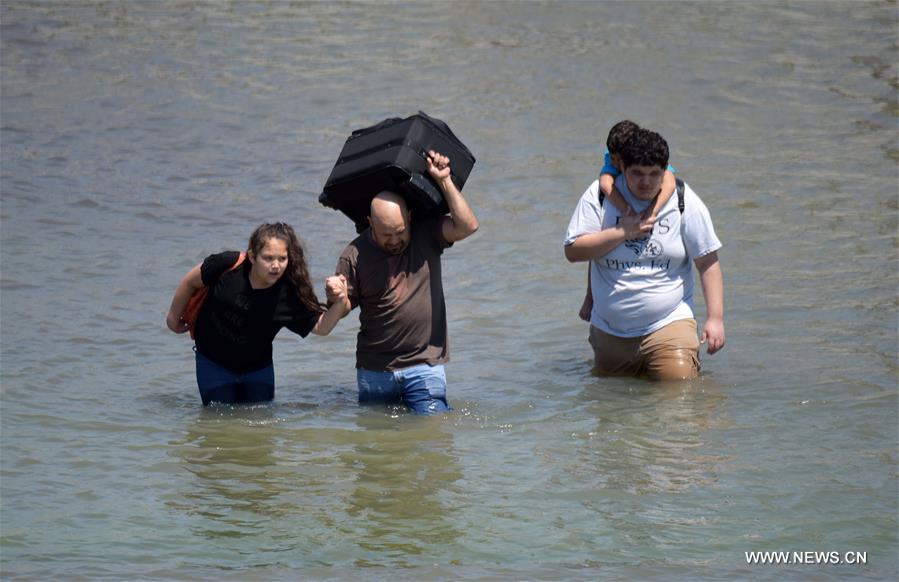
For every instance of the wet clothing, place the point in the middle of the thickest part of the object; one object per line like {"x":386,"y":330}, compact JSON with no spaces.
{"x":670,"y":353}
{"x":237,"y":323}
{"x":422,"y":388}
{"x":218,"y":384}
{"x":400,"y":297}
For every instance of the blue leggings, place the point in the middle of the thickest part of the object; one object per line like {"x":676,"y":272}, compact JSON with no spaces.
{"x":218,"y":384}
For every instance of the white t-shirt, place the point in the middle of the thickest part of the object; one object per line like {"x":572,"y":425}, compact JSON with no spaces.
{"x":646,"y":283}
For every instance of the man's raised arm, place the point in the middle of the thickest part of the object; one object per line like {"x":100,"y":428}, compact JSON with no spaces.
{"x":462,"y":222}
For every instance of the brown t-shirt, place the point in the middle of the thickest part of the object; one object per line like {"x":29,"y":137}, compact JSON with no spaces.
{"x":400,"y":297}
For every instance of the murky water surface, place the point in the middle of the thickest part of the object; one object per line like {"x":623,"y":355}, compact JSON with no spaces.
{"x":138,"y":137}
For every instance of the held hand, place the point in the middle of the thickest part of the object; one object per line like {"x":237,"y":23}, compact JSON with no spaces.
{"x":175,"y":323}
{"x":713,"y":333}
{"x":438,"y":166}
{"x":335,"y":288}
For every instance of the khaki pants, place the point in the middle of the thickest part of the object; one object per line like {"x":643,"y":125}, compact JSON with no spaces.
{"x":670,"y":353}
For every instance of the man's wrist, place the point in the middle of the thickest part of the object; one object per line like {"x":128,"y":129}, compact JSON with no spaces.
{"x":622,"y":233}
{"x":446,"y":183}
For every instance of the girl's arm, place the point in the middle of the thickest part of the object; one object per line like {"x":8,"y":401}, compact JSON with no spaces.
{"x":188,"y":285}
{"x":336,"y":290}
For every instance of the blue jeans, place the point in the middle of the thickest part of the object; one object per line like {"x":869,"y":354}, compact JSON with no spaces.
{"x":422,"y":388}
{"x":218,"y":384}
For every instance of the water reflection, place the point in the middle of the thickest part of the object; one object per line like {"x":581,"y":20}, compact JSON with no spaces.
{"x":406,"y":479}
{"x":636,"y":477}
{"x":383,"y":483}
{"x":231,"y":452}
{"x":652,"y":435}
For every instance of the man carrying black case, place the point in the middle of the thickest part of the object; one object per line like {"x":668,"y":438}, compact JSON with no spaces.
{"x":393,"y":274}
{"x":392,"y":155}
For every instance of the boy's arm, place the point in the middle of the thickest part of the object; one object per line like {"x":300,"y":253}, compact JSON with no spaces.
{"x":669,"y":184}
{"x":607,"y":187}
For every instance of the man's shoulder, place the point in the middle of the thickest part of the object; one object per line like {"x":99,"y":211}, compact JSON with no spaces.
{"x":692,"y":202}
{"x":429,"y":231}
{"x":591,"y":194}
{"x":362,"y":241}
{"x":427,"y":225}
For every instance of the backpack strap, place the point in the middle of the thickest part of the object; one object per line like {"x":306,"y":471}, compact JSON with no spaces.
{"x":243,"y":255}
{"x":198,"y":298}
{"x":602,"y":195}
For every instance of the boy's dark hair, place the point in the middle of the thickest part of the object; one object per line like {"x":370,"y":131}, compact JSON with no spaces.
{"x":619,"y":134}
{"x":645,"y":148}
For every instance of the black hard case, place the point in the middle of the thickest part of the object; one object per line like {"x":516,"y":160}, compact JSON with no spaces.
{"x":392,"y":155}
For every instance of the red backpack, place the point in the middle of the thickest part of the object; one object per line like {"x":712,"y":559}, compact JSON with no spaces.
{"x":195,"y":303}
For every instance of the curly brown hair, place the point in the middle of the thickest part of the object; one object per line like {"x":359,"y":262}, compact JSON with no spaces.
{"x":645,"y":148}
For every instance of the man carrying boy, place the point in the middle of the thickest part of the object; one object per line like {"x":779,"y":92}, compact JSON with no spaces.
{"x":618,"y":136}
{"x":393,"y":274}
{"x":642,"y":322}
